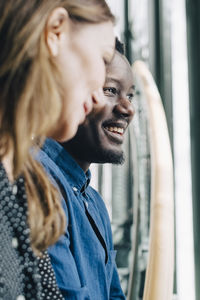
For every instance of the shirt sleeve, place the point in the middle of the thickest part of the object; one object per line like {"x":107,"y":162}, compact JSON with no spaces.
{"x":115,"y":288}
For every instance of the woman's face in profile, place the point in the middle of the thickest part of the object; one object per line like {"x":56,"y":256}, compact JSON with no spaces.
{"x":85,"y":51}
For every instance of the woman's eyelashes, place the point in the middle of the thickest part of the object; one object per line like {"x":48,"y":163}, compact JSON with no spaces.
{"x":108,"y":57}
{"x":107,"y":61}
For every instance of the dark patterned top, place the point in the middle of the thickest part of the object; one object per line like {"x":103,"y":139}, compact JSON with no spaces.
{"x":50,"y":290}
{"x":20,"y":277}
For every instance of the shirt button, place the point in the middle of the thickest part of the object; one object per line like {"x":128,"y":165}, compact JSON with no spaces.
{"x":20,"y":297}
{"x":86,"y":204}
{"x":15,"y":243}
{"x":75,"y":189}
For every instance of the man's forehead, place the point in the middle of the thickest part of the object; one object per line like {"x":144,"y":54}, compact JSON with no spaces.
{"x":118,"y":63}
{"x":119,"y":78}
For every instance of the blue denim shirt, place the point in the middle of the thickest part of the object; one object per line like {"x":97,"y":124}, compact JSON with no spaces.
{"x":83,"y":259}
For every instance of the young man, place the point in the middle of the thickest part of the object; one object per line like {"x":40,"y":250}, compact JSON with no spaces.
{"x":84,"y":258}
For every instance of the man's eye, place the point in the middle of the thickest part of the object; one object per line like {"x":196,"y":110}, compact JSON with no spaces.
{"x":110,"y":91}
{"x":130,"y":97}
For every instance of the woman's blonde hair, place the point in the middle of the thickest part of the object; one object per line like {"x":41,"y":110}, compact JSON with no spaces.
{"x":30,"y":100}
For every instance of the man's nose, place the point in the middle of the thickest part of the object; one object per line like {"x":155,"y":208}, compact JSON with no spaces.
{"x":125,"y":108}
{"x":98,"y":99}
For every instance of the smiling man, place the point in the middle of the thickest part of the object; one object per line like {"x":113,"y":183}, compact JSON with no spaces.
{"x":84,"y":258}
{"x":100,"y":138}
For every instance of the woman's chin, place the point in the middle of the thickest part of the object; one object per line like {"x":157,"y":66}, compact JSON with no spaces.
{"x":66,"y":134}
{"x":68,"y":130}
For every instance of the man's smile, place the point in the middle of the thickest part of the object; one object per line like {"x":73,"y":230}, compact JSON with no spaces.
{"x":115,"y":131}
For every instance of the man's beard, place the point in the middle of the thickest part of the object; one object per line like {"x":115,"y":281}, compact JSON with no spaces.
{"x":108,"y":156}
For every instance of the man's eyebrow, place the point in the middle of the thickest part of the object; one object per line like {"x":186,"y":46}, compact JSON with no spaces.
{"x":112,"y":80}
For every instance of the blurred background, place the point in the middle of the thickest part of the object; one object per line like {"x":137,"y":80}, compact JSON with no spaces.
{"x":165,"y":34}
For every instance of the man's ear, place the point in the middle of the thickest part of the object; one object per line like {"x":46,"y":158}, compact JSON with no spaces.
{"x":56,"y":26}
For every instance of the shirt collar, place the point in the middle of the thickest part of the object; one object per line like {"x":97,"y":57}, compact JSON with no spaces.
{"x":75,"y":174}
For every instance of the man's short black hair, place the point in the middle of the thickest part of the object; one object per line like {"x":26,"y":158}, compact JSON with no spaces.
{"x":119,"y":46}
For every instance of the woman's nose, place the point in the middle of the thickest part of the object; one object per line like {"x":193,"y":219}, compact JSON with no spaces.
{"x":98,"y":99}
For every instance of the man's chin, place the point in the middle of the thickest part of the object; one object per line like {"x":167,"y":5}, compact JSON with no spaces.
{"x":112,"y":157}
{"x":118,"y":160}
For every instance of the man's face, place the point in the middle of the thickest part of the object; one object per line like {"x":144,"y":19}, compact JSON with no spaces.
{"x":99,"y":139}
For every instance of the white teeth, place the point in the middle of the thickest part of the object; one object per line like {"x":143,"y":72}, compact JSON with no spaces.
{"x":120,"y":130}
{"x":115,"y":129}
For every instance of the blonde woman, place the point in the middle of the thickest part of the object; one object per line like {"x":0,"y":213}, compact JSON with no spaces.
{"x":49,"y":82}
